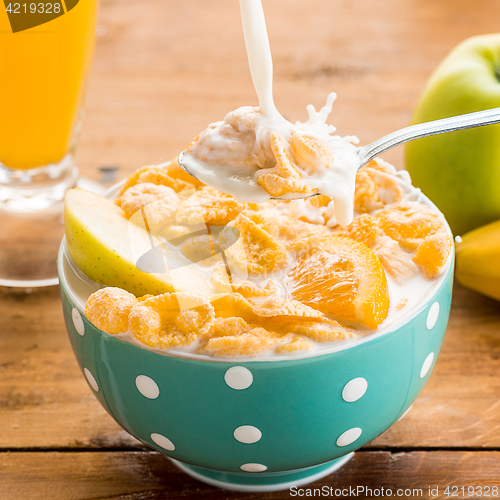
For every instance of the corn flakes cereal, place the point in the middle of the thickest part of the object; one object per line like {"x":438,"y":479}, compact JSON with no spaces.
{"x":316,"y":210}
{"x":255,"y":250}
{"x":282,"y":155}
{"x":144,"y":297}
{"x":156,"y":175}
{"x":320,"y":200}
{"x":312,"y":154}
{"x":236,"y":139}
{"x":108,"y":309}
{"x":174,"y":234}
{"x":221,"y":327}
{"x":335,"y":271}
{"x":221,"y":279}
{"x":432,"y":254}
{"x":266,"y":219}
{"x":223,"y":282}
{"x":280,"y":315}
{"x":297,"y":343}
{"x":376,"y":187}
{"x":285,"y":177}
{"x":209,"y":206}
{"x":159,"y":176}
{"x":171,"y":319}
{"x":201,"y":248}
{"x":409,"y":223}
{"x":365,"y":229}
{"x":157,"y":203}
{"x":256,"y":341}
{"x":190,"y":213}
{"x":242,"y":338}
{"x":297,"y":235}
{"x":383,"y":166}
{"x":402,"y":303}
{"x":132,"y":180}
{"x":146,"y":324}
{"x":320,"y":330}
{"x":395,"y":261}
{"x":227,"y":305}
{"x":177,"y":172}
{"x":276,"y":306}
{"x":266,"y":206}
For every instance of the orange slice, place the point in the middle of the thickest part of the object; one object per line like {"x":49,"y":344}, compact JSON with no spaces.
{"x":342,"y":278}
{"x":432,"y":254}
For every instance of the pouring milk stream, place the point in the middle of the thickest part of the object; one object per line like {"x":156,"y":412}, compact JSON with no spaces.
{"x":231,"y":155}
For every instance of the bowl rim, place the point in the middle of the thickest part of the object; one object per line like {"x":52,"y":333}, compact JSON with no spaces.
{"x":336,"y":346}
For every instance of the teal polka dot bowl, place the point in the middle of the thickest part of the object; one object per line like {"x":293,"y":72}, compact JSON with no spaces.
{"x":260,"y":425}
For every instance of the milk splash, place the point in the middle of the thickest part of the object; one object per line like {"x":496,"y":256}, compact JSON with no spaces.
{"x":231,"y":154}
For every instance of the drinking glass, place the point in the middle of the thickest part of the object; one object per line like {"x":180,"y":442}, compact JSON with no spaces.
{"x":45,"y":54}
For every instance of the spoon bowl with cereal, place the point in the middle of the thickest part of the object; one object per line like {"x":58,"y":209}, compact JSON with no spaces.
{"x":256,"y":159}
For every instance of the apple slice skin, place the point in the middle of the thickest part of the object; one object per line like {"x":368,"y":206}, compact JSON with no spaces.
{"x":103,"y":253}
{"x":109,"y":270}
{"x":460,"y":171}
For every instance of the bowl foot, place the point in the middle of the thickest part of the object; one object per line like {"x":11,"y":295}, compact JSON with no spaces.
{"x":262,"y":481}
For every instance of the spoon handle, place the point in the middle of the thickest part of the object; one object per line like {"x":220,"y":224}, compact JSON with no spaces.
{"x":478,"y":119}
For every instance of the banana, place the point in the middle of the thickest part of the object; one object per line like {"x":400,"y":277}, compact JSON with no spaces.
{"x":478,"y":260}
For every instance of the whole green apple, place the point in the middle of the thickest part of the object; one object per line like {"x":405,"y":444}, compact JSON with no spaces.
{"x":460,"y":171}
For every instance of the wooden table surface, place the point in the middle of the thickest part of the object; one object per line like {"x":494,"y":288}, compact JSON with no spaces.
{"x":163,"y":70}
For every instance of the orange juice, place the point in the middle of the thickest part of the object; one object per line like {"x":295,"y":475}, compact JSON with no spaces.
{"x":43,"y":71}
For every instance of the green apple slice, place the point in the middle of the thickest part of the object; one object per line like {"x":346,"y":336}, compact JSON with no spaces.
{"x":107,"y":247}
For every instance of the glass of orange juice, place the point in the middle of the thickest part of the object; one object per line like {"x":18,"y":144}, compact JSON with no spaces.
{"x":45,"y":54}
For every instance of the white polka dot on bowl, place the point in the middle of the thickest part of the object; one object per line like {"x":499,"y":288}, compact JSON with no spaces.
{"x":349,"y":436}
{"x":432,"y":316}
{"x":354,"y":389}
{"x":91,"y":379}
{"x":78,"y":321}
{"x":238,"y":377}
{"x":253,"y":467}
{"x":162,"y":441}
{"x":247,"y":434}
{"x":427,"y":365}
{"x":147,"y":386}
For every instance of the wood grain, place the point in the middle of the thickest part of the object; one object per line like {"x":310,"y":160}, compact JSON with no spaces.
{"x":460,"y":405}
{"x":151,"y":476}
{"x":164,"y":69}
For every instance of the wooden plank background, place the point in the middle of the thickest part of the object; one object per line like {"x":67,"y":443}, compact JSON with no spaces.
{"x":151,"y":476}
{"x":163,"y":70}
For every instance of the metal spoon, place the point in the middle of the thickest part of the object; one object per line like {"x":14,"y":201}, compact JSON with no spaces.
{"x":389,"y":141}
